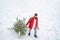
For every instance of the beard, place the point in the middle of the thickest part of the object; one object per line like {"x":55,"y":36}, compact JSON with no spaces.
{"x":35,"y":17}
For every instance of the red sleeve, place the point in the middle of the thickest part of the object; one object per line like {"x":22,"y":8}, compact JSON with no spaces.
{"x":28,"y":22}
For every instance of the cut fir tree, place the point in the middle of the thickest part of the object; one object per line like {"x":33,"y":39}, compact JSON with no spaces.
{"x":19,"y":27}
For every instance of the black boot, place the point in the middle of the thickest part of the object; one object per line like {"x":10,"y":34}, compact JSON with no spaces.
{"x":28,"y":34}
{"x":35,"y":36}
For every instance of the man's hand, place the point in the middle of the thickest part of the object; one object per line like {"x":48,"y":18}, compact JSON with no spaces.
{"x":37,"y":28}
{"x":26,"y":26}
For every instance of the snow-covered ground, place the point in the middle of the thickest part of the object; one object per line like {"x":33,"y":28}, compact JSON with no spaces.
{"x":48,"y":14}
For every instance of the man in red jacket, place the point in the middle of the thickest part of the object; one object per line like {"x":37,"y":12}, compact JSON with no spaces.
{"x":33,"y":22}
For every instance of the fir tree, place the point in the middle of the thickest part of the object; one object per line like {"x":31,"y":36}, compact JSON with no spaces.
{"x":19,"y":27}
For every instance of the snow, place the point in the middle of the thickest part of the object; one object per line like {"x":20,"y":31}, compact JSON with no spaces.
{"x":48,"y":14}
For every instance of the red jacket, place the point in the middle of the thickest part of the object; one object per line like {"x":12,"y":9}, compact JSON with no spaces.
{"x":31,"y":22}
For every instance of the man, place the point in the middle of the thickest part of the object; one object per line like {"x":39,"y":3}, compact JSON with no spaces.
{"x":33,"y":22}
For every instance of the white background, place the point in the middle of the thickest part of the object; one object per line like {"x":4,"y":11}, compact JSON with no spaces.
{"x":48,"y":14}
